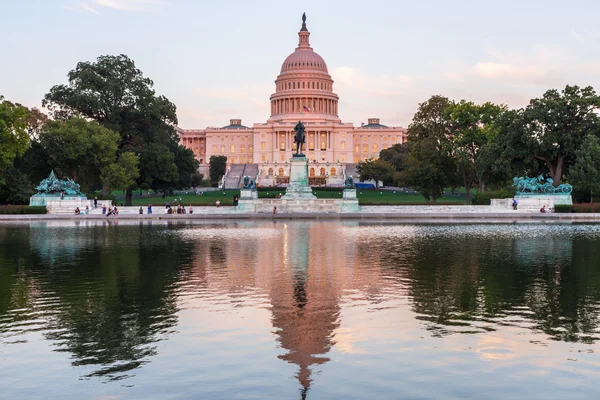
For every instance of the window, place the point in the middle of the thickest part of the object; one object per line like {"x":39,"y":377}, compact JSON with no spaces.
{"x":294,"y":85}
{"x":214,"y":148}
{"x":323,"y":146}
{"x":322,"y":172}
{"x":385,"y":139}
{"x":333,"y":171}
{"x":250,"y":149}
{"x":263,"y":158}
{"x":283,"y":157}
{"x":262,"y":145}
{"x":364,"y":139}
{"x":312,"y":172}
{"x":343,"y":158}
{"x":280,"y":173}
{"x":270,"y":172}
{"x":356,"y":159}
{"x":222,"y":149}
{"x":343,"y":144}
{"x":393,"y":138}
{"x":232,"y":160}
{"x":242,"y":148}
{"x":222,"y":139}
{"x":282,"y":142}
{"x":356,"y":148}
{"x":232,"y":148}
{"x":375,"y":148}
{"x":365,"y":148}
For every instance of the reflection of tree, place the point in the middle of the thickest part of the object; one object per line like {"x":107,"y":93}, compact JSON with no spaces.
{"x":113,"y":298}
{"x":467,"y":284}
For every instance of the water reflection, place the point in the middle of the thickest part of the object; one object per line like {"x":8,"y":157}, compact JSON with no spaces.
{"x":108,"y":294}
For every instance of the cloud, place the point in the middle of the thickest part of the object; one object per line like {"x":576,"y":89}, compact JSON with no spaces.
{"x":127,"y":5}
{"x":93,"y":6}
{"x":494,"y":70}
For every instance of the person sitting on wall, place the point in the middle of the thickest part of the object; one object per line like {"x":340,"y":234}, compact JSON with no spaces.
{"x":191,"y":209}
{"x":141,"y":210}
{"x":218,"y":203}
{"x":149,"y":208}
{"x":104,"y":209}
{"x":87,"y":210}
{"x":274,"y":210}
{"x":543,"y":209}
{"x":515,"y":203}
{"x":77,"y":212}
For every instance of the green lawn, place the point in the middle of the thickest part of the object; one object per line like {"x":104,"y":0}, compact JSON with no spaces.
{"x":365,"y":197}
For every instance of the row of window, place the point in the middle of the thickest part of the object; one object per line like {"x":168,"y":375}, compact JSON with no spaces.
{"x":232,"y":148}
{"x":312,"y":172}
{"x":311,"y":157}
{"x":305,"y":85}
{"x":385,"y":138}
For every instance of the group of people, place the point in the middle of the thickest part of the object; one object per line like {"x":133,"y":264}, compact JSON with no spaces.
{"x":79,"y":212}
{"x":544,"y":209}
{"x":112,"y":210}
{"x":179,"y":210}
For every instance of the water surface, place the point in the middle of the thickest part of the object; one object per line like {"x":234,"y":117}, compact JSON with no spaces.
{"x":298,"y":309}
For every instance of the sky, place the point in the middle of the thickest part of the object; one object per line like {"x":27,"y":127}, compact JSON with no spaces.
{"x":218,"y":59}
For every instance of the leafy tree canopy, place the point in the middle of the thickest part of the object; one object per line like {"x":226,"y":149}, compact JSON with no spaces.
{"x":217,"y":166}
{"x":377,"y":170}
{"x":14,"y":139}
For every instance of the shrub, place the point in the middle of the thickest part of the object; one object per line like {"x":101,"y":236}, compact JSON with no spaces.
{"x":586,"y":207}
{"x":22,"y":209}
{"x":563,"y":208}
{"x":483,"y":198}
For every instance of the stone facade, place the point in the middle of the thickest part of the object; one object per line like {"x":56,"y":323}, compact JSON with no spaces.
{"x":303,"y":92}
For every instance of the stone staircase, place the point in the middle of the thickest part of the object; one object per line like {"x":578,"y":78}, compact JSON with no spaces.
{"x":234,"y":175}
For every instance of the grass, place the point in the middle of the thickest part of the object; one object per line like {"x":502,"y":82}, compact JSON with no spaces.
{"x":365,"y":197}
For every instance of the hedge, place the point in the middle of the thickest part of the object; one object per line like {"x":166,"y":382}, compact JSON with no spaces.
{"x":586,"y":207}
{"x":22,"y":209}
{"x":563,"y":208}
{"x":483,"y":198}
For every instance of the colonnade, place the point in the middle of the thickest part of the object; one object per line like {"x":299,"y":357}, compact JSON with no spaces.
{"x":297,"y":104}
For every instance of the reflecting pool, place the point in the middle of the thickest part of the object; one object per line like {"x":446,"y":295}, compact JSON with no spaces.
{"x":298,"y":309}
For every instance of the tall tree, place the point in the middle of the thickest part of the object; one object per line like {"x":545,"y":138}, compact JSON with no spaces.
{"x":35,"y":122}
{"x":397,"y":155}
{"x":13,"y":133}
{"x":377,"y":170}
{"x":584,"y":175}
{"x":79,"y":149}
{"x":431,"y":168}
{"x":556,"y":124}
{"x":122,"y":174}
{"x":115,"y":93}
{"x":217,"y":166}
{"x":471,"y":127}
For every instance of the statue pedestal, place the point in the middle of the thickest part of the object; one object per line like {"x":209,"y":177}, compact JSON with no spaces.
{"x":350,"y":201}
{"x":534,"y":202}
{"x":246,"y":194}
{"x":299,"y":188}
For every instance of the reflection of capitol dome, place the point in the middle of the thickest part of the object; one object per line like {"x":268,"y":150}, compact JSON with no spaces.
{"x":304,"y":84}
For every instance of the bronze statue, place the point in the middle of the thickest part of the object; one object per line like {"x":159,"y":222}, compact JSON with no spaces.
{"x":299,"y":138}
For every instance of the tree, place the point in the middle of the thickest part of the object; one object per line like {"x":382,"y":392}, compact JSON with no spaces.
{"x":472,"y":127}
{"x":377,"y":170}
{"x":556,"y":124}
{"x":17,"y":188}
{"x":78,"y":148}
{"x":217,"y":166}
{"x":430,"y":167}
{"x":122,"y":174}
{"x":35,"y":122}
{"x":397,"y":155}
{"x":187,"y":166}
{"x":13,"y":133}
{"x":115,"y":93}
{"x":584,"y":175}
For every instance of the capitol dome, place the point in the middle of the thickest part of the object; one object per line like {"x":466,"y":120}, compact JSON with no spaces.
{"x":304,"y":58}
{"x":304,"y":85}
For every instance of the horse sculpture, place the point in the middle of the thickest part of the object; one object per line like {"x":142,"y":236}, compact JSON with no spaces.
{"x":526,"y":185}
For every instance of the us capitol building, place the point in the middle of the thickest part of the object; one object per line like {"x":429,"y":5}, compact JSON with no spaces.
{"x":303,"y":92}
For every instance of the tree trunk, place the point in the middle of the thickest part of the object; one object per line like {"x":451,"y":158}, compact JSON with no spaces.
{"x":104,"y":190}
{"x":481,"y":185}
{"x":468,"y":193}
{"x":128,"y":196}
{"x":557,"y":175}
{"x":434,"y":198}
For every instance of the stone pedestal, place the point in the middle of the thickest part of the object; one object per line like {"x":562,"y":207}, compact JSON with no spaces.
{"x":534,"y":202}
{"x":246,"y":194}
{"x":350,"y":201}
{"x":299,"y":188}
